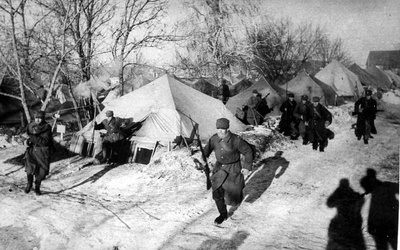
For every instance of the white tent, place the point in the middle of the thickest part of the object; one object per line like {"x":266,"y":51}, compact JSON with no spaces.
{"x":343,"y":81}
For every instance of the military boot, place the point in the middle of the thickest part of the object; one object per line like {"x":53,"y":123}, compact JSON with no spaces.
{"x":29,"y":183}
{"x":37,"y":188}
{"x":223,"y":213}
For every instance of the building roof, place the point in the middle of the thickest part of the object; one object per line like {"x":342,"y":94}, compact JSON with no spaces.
{"x":389,"y":59}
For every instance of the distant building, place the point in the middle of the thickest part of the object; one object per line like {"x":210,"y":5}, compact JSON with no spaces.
{"x":384,"y":60}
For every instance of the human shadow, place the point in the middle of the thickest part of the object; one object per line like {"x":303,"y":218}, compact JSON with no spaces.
{"x":264,"y":175}
{"x":383,"y":211}
{"x":345,"y":229}
{"x":91,"y":179}
{"x":218,"y":243}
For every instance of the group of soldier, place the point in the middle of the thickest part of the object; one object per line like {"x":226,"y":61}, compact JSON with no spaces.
{"x":309,"y":120}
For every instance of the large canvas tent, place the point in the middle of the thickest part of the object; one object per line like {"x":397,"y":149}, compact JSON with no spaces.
{"x":394,"y":78}
{"x":380,"y":76}
{"x":168,"y":109}
{"x":331,"y":97}
{"x":342,"y":80}
{"x":366,"y":78}
{"x":263,"y":87}
{"x":303,"y":84}
{"x":240,"y":86}
{"x":205,"y":87}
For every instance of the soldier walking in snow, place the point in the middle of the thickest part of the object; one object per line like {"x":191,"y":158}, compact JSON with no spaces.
{"x":299,"y":113}
{"x":287,"y":123}
{"x":366,"y":109}
{"x":37,"y":156}
{"x":228,"y":173}
{"x":317,"y":118}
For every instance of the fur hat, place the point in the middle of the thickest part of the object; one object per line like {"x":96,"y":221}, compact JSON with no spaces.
{"x":290,"y":95}
{"x":222,"y":123}
{"x":315,"y":99}
{"x":39,"y":114}
{"x":255,"y":91}
{"x":368,"y":92}
{"x":109,"y":113}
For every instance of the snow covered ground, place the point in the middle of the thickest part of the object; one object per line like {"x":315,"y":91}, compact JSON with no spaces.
{"x":165,"y":205}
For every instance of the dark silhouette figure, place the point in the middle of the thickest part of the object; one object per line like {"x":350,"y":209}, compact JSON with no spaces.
{"x":345,"y":228}
{"x":263,"y":178}
{"x":383,"y":211}
{"x":231,"y":244}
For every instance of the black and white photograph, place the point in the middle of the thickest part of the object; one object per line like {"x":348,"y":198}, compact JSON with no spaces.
{"x":199,"y":124}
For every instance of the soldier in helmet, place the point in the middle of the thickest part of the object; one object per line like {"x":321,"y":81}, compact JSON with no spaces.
{"x":365,"y":108}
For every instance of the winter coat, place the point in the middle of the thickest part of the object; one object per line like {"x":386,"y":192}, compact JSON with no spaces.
{"x":316,"y":118}
{"x":301,"y":109}
{"x":37,"y":155}
{"x":287,"y":115}
{"x":253,"y":117}
{"x":113,"y":127}
{"x":366,"y":108}
{"x":227,"y":169}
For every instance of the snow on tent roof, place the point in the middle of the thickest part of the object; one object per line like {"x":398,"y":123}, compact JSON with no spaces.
{"x":382,"y":78}
{"x":365,"y":77}
{"x":343,"y":81}
{"x":166,"y":102}
{"x":263,"y":87}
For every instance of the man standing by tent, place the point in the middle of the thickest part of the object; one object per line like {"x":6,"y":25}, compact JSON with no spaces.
{"x":228,"y":173}
{"x":114,"y":134}
{"x":317,"y":118}
{"x":37,"y":156}
{"x":224,"y":91}
{"x":299,"y":113}
{"x":366,"y":108}
{"x":253,"y":117}
{"x":287,"y":123}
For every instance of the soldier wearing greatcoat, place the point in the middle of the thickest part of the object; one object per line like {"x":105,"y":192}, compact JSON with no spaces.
{"x":365,"y":108}
{"x":299,"y":112}
{"x":228,"y":173}
{"x":317,"y":118}
{"x":287,"y":123}
{"x":37,"y":155}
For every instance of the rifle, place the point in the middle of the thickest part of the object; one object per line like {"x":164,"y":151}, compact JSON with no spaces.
{"x":206,"y":168}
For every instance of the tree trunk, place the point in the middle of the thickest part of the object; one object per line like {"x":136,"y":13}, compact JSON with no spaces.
{"x":75,"y":106}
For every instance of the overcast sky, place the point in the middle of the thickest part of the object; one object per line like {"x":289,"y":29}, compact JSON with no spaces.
{"x":363,"y":25}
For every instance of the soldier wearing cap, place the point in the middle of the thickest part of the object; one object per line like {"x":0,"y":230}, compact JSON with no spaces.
{"x":317,"y":118}
{"x":287,"y":123}
{"x":114,"y":126}
{"x":253,"y":117}
{"x":37,"y":156}
{"x":299,"y":113}
{"x":228,"y":173}
{"x":365,"y":108}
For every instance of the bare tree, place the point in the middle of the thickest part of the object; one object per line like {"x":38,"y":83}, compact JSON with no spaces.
{"x":329,"y":50}
{"x":14,"y":11}
{"x":279,"y":49}
{"x":138,"y":27}
{"x":216,"y":43}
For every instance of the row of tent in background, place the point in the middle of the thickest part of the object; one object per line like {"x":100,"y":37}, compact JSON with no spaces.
{"x":332,"y":83}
